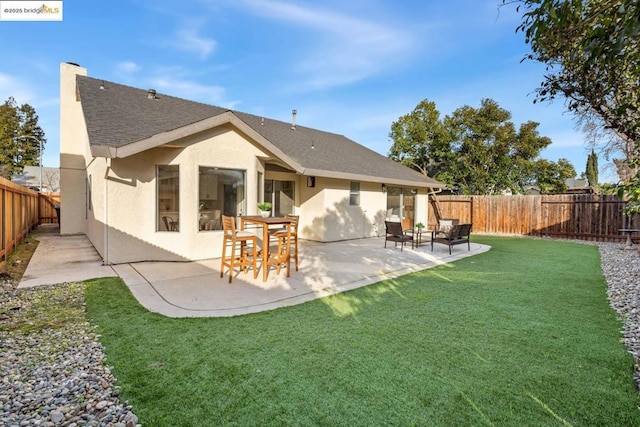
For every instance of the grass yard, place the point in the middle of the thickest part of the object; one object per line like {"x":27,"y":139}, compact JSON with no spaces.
{"x":520,"y":335}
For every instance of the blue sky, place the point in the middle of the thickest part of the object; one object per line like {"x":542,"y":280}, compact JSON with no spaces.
{"x":349,"y":67}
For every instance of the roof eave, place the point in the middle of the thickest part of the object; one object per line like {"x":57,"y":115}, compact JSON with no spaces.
{"x":369,"y":178}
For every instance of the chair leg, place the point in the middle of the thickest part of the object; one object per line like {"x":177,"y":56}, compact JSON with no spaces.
{"x":224,"y":252}
{"x":244,"y":259}
{"x":296,"y":246}
{"x":289,"y":265}
{"x":255,"y":259}
{"x":231,"y":260}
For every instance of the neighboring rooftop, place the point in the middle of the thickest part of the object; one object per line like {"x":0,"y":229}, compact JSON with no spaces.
{"x":30,"y":177}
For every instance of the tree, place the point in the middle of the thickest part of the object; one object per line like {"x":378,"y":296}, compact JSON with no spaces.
{"x":610,"y":146}
{"x":20,"y":137}
{"x":592,"y":52}
{"x":491,"y":156}
{"x":420,"y":140}
{"x":51,"y":180}
{"x":591,"y":170}
{"x":478,"y":151}
{"x":552,"y":177}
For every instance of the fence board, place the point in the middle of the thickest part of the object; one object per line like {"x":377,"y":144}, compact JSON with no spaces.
{"x":571,"y":216}
{"x":21,"y":210}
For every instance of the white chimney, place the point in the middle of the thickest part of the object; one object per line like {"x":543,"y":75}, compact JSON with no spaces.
{"x":293,"y":119}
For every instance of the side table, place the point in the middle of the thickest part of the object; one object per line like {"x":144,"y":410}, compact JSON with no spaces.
{"x":417,"y":236}
{"x":629,"y":231}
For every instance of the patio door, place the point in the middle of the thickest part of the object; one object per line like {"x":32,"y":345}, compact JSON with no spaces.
{"x":282,"y":196}
{"x":401,"y":205}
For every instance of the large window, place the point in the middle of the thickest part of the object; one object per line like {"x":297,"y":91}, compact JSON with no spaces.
{"x":168,"y":195}
{"x":221,"y":192}
{"x":282,"y":196}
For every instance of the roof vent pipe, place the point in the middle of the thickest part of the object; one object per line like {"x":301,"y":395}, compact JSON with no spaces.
{"x":293,"y":119}
{"x":151,"y":94}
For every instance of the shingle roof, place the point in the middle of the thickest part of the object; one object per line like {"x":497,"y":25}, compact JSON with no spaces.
{"x":118,"y":116}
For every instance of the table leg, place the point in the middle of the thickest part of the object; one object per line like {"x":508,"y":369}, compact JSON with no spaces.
{"x":265,"y":251}
{"x":629,"y":243}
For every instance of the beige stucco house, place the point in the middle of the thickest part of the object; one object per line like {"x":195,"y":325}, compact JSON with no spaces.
{"x":146,"y":176}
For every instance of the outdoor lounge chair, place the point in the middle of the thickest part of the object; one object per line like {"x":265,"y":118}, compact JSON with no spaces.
{"x":458,"y":234}
{"x":396,"y":234}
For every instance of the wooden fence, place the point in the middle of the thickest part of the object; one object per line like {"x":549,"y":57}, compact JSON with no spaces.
{"x":579,"y":216}
{"x":21,"y":211}
{"x":47,"y":204}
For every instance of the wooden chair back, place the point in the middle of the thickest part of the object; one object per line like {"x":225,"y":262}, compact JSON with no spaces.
{"x":228,"y":225}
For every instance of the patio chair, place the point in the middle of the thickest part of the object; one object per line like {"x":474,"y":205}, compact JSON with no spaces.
{"x":282,"y":255}
{"x":293,"y":238}
{"x":444,"y":226}
{"x":458,"y":234}
{"x":241,"y":254}
{"x":169,"y":223}
{"x":216,"y":220}
{"x":394,"y":233}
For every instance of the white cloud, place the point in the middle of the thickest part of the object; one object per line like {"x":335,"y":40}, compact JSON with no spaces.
{"x":127,"y":68}
{"x":15,"y":87}
{"x":188,"y":89}
{"x":188,"y":40}
{"x":344,"y":49}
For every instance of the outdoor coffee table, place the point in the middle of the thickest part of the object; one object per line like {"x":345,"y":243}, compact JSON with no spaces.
{"x":417,"y":233}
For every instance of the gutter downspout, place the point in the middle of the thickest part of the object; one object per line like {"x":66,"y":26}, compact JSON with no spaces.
{"x":105,"y":260}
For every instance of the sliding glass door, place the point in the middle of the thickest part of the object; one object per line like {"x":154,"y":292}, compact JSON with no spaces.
{"x":281,"y":194}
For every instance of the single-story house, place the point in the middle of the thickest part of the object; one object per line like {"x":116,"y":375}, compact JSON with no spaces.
{"x":146,"y":176}
{"x":32,"y":176}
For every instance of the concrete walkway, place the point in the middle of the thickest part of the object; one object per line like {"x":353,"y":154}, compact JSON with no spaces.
{"x":195,"y":289}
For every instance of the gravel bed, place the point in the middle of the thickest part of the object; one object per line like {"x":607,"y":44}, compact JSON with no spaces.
{"x":621,"y":268}
{"x":53,"y":370}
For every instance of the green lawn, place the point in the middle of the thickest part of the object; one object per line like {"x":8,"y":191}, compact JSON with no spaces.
{"x":520,"y":335}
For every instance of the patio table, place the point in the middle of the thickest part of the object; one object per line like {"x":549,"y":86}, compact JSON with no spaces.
{"x":265,"y":222}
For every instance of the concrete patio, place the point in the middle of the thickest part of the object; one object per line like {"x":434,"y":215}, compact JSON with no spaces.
{"x":195,"y":289}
